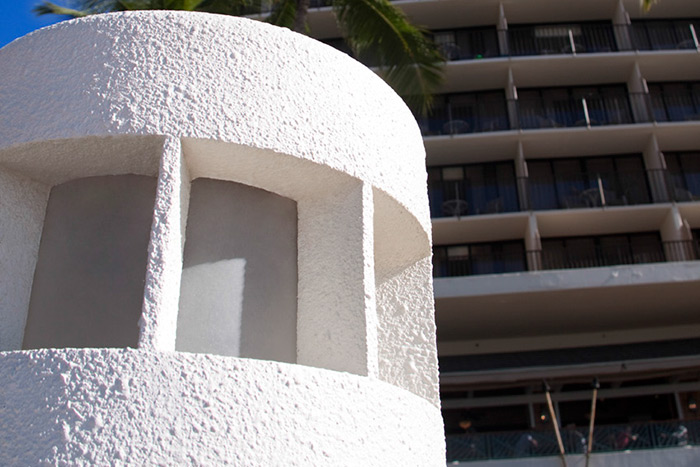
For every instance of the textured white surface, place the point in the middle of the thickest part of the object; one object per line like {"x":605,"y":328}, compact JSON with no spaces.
{"x":133,"y":407}
{"x":185,"y":95}
{"x":171,"y":73}
{"x":406,"y":330}
{"x":164,"y":270}
{"x":22,"y":207}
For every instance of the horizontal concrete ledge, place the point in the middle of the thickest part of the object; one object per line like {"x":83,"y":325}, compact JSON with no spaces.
{"x":568,"y":279}
{"x":98,"y":406}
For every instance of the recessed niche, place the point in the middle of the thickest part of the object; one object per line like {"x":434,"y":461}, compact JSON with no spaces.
{"x":239,"y":280}
{"x":88,"y":282}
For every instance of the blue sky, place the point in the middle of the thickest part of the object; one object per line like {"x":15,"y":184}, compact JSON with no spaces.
{"x":17,"y":19}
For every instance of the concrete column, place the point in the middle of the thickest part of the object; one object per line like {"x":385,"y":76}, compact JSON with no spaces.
{"x":522,"y":178}
{"x":533,"y":245}
{"x":656,"y":169}
{"x":512,"y":99}
{"x":621,"y":23}
{"x":158,"y":321}
{"x":675,"y":234}
{"x":502,"y":31}
{"x":22,"y":207}
{"x":639,"y":96}
{"x":337,"y":318}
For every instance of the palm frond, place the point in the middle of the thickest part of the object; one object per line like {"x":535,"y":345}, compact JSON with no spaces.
{"x":283,"y":13}
{"x":647,"y":4}
{"x":48,"y":8}
{"x":408,"y":60}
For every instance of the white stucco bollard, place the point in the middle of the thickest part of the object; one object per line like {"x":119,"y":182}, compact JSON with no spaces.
{"x":286,"y":313}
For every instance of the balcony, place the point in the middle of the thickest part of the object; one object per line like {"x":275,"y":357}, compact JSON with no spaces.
{"x":561,"y":39}
{"x":472,"y":112}
{"x":606,"y":439}
{"x":574,"y":107}
{"x":567,"y":39}
{"x":479,"y":258}
{"x":560,"y":253}
{"x":601,"y":251}
{"x":472,"y":189}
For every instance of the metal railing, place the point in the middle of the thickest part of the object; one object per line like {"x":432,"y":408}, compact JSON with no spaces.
{"x":459,"y":118}
{"x":561,"y":39}
{"x":497,"y":262}
{"x":460,"y":198}
{"x":595,"y":256}
{"x":566,"y":39}
{"x":537,"y":113}
{"x":607,"y":438}
{"x":588,"y":190}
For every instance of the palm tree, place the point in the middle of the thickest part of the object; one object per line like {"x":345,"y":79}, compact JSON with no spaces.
{"x":407,"y":58}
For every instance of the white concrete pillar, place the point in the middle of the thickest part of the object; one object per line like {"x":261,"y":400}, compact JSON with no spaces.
{"x":162,"y":285}
{"x":336,"y":321}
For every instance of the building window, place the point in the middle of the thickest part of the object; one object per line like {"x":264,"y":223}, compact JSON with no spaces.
{"x":587,"y":182}
{"x":675,"y":102}
{"x":466,"y":113}
{"x":561,"y":38}
{"x":479,"y":258}
{"x":472,"y":189}
{"x":469,"y":43}
{"x":665,"y":34}
{"x":684,"y":172}
{"x":598,"y":251}
{"x":574,"y":106}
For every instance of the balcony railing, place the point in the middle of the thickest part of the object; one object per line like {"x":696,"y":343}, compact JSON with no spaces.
{"x":588,"y":190}
{"x":574,"y":112}
{"x":459,"y":198}
{"x":606,"y":438}
{"x":595,"y":256}
{"x":496,"y":262}
{"x":567,"y":39}
{"x":561,"y":39}
{"x":499,"y":261}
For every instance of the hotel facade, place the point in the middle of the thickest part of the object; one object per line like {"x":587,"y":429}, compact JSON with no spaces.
{"x":563,"y":157}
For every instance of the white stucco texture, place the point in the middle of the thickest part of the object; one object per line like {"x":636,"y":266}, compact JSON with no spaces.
{"x":134,"y":407}
{"x":182,"y":97}
{"x":217,"y":77}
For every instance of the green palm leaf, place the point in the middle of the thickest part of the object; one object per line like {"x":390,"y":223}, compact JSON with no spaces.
{"x":408,"y":60}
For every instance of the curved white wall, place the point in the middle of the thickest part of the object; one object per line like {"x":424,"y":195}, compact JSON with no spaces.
{"x":129,"y":407}
{"x":182,"y":96}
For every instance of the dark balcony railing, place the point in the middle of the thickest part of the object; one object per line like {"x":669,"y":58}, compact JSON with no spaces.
{"x":556,"y":256}
{"x":461,"y":198}
{"x":465,"y":44}
{"x":466,"y":113}
{"x":606,"y":438}
{"x":567,"y":39}
{"x":537,"y":113}
{"x":588,"y":190}
{"x":664,"y":34}
{"x":561,"y":39}
{"x":477,"y":262}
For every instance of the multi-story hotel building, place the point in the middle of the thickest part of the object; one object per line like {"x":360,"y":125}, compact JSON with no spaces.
{"x":563,"y":157}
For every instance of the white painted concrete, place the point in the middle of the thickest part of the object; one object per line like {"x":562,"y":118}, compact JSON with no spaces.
{"x":158,"y":320}
{"x":239,"y":278}
{"x":565,"y":279}
{"x":22,"y":206}
{"x":135,"y":407}
{"x":181,"y":96}
{"x":302,"y":97}
{"x":88,"y":282}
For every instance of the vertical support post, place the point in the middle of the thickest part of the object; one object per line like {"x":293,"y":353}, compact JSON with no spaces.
{"x":555,"y":422}
{"x":158,"y":321}
{"x":594,"y":398}
{"x":337,"y":315}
